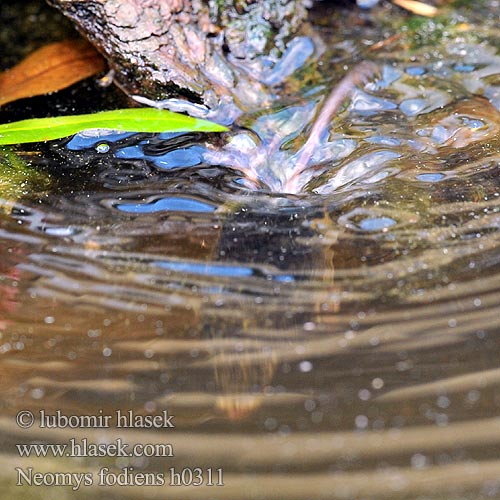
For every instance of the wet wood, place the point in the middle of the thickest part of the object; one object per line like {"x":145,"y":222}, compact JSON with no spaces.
{"x":191,"y":49}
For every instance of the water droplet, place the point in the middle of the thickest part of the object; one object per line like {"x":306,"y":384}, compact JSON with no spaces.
{"x":270,"y":424}
{"x":305,"y":366}
{"x":37,"y":393}
{"x":102,"y":147}
{"x":361,"y":421}
{"x":364,"y":394}
{"x":418,"y":461}
{"x":473,"y":396}
{"x":443,"y":402}
{"x":150,"y":406}
{"x":310,"y":405}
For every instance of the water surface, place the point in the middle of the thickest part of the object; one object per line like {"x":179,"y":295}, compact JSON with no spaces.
{"x":340,"y":343}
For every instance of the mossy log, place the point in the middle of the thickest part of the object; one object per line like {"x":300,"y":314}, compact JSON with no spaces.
{"x":190,"y":49}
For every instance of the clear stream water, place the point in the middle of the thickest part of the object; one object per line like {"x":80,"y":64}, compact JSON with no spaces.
{"x":342,"y":343}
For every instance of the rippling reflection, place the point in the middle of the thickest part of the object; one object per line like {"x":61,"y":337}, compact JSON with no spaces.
{"x":338,"y":344}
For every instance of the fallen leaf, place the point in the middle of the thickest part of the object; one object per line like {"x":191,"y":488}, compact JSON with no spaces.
{"x":125,"y":120}
{"x":416,"y":7}
{"x":49,"y":69}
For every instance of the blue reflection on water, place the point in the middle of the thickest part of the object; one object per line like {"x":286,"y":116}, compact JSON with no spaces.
{"x":472,"y":122}
{"x":389,"y":75}
{"x":298,"y":50}
{"x":412,"y":107}
{"x":366,"y":4}
{"x":415,"y":71}
{"x":171,"y":203}
{"x":84,"y":140}
{"x":464,"y":68}
{"x":182,"y":157}
{"x":386,"y":141}
{"x":221,"y":270}
{"x":283,"y":278}
{"x":206,"y":269}
{"x":376,"y":223}
{"x":367,"y":104}
{"x":430,"y":177}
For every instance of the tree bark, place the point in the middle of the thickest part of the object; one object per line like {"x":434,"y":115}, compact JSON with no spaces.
{"x":199,"y":50}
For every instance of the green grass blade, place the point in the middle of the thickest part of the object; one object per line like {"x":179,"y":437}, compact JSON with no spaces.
{"x":126,"y":120}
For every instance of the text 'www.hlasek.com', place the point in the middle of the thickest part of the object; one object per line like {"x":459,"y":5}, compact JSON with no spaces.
{"x":122,"y":469}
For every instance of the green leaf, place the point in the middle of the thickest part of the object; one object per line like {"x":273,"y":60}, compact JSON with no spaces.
{"x":126,"y":120}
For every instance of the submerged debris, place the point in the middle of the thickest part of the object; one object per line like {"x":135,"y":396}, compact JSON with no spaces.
{"x":269,"y":167}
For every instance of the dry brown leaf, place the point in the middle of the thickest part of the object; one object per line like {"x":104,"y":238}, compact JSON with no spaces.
{"x":49,"y":69}
{"x":416,"y":7}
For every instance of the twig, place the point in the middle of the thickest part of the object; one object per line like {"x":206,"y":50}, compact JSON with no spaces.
{"x":359,"y":74}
